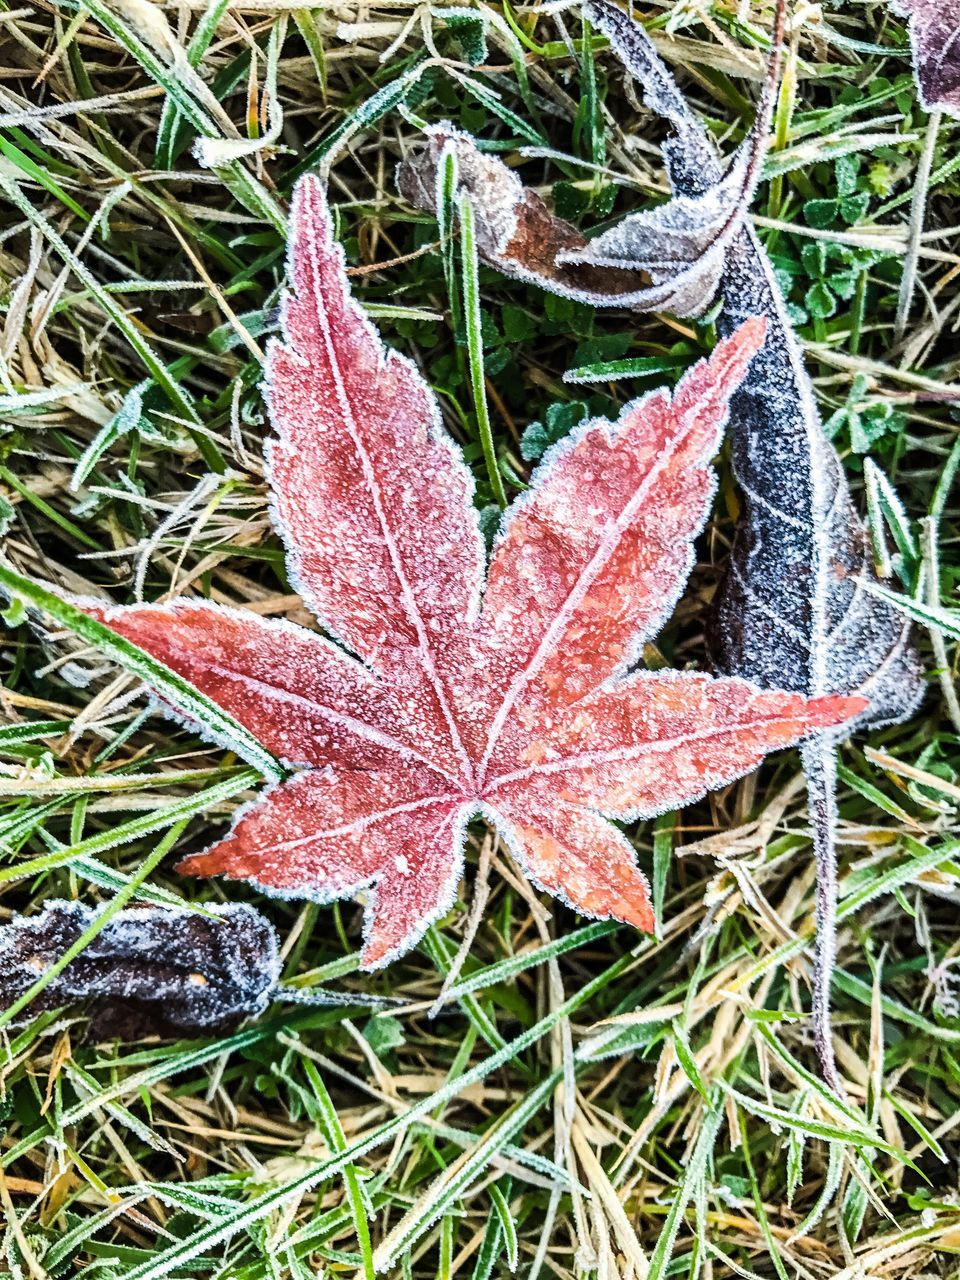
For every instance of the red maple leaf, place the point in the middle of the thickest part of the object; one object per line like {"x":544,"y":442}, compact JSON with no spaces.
{"x":440,"y":705}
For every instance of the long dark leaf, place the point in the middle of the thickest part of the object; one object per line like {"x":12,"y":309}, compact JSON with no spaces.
{"x":793,"y":611}
{"x":797,"y":609}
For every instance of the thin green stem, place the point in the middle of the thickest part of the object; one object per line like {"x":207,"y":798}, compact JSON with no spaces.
{"x":471,"y":306}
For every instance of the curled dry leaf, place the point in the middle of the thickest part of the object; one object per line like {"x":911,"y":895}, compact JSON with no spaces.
{"x":679,"y":245}
{"x":935,"y":40}
{"x":515,"y":230}
{"x":522,"y":709}
{"x":793,"y":611}
{"x":153,"y":970}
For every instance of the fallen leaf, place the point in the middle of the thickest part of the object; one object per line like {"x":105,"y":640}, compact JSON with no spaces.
{"x":152,"y":970}
{"x":793,"y":611}
{"x":934,"y":27}
{"x":679,"y":245}
{"x":515,"y":230}
{"x":522,"y":710}
{"x":682,"y":245}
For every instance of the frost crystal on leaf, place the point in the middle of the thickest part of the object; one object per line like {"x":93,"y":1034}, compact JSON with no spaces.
{"x":679,"y":246}
{"x":148,"y":970}
{"x":520,"y":708}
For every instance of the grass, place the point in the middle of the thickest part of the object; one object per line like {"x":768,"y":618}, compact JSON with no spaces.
{"x":585,"y":1102}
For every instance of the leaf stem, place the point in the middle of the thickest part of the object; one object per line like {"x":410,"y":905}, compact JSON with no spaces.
{"x":918,"y":209}
{"x":820,"y":766}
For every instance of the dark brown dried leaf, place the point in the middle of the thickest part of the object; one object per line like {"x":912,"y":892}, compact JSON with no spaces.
{"x":149,"y":971}
{"x":516,"y":232}
{"x":678,"y":246}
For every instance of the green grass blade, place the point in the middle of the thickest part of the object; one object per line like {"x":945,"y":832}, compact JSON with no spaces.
{"x":213,"y":719}
{"x":693,"y":1175}
{"x":146,"y":824}
{"x":471,"y":306}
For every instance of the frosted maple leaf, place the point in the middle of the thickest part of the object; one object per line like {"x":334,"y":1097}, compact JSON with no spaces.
{"x":451,"y":692}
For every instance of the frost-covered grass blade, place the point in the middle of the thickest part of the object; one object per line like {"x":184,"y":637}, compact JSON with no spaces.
{"x":115,"y":1155}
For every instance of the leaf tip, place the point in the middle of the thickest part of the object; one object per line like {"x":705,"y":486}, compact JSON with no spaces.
{"x":309,"y":211}
{"x":835,"y":709}
{"x":197,"y":864}
{"x":706,"y":388}
{"x":752,"y":333}
{"x":733,"y":354}
{"x":639,"y":913}
{"x":631,"y":904}
{"x":308,"y":185}
{"x":376,"y":953}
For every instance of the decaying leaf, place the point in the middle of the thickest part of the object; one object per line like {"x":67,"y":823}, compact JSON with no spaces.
{"x":151,"y":970}
{"x":515,"y":230}
{"x":679,"y":246}
{"x":521,"y":710}
{"x":683,"y":244}
{"x":935,"y":40}
{"x":793,"y":612}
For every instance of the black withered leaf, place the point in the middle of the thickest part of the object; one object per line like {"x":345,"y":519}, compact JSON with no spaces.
{"x":793,"y":611}
{"x":154,"y":970}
